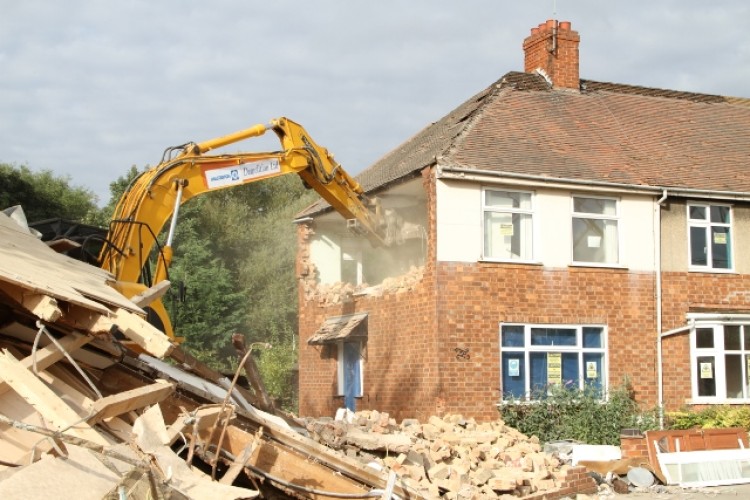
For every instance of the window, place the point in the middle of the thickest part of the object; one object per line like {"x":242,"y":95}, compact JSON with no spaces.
{"x":720,"y":357}
{"x":534,"y":357}
{"x":710,"y":228}
{"x":595,"y":238}
{"x":508,"y":225}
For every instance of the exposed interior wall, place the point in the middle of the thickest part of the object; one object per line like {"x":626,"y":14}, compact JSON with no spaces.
{"x":339,"y":259}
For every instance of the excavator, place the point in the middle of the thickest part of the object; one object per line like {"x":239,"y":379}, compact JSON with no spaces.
{"x":187,"y":170}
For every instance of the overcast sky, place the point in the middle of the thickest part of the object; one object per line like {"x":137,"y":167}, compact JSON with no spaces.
{"x":89,"y":88}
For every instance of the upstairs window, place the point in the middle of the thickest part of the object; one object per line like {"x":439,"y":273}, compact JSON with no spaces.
{"x":595,"y":235}
{"x":710,"y":229}
{"x":508,"y":225}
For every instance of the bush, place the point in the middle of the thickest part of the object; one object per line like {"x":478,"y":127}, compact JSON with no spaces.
{"x":580,"y":415}
{"x":713,"y":417}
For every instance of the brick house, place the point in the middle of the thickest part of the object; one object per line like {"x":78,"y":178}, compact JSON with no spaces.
{"x":574,"y":232}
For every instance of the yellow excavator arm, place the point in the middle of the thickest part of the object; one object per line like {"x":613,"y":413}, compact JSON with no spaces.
{"x":187,"y":171}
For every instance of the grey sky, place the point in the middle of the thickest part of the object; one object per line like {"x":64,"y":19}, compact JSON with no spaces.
{"x":89,"y":88}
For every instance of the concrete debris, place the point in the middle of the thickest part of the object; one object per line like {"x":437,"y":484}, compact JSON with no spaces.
{"x":341,"y":293}
{"x":450,"y":456}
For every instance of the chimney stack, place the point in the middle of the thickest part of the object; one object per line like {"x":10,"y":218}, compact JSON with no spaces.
{"x":553,"y":48}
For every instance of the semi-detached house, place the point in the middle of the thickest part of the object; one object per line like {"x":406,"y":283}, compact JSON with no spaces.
{"x":572,"y":232}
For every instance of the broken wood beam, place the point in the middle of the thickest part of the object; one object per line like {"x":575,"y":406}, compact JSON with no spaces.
{"x":123,"y":402}
{"x":253,"y":374}
{"x":52,"y":408}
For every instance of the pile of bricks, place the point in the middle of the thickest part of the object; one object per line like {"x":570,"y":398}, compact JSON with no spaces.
{"x":450,"y":457}
{"x":340,"y":292}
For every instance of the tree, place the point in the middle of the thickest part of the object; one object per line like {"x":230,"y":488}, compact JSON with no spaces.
{"x":43,"y":195}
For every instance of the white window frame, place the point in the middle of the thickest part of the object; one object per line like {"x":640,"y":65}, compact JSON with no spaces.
{"x":527,"y":349}
{"x":589,"y":215}
{"x":718,"y":353}
{"x":340,"y":368}
{"x":707,"y":225}
{"x":530,"y":212}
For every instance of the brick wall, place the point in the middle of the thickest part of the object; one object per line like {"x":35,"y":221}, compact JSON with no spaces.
{"x":681,"y":293}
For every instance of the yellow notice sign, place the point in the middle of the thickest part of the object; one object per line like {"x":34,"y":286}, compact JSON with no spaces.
{"x":720,"y":238}
{"x":707,"y":370}
{"x":591,"y":371}
{"x":506,"y":229}
{"x":554,"y":368}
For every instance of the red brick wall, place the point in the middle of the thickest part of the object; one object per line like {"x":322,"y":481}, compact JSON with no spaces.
{"x":474,"y":299}
{"x":681,"y":293}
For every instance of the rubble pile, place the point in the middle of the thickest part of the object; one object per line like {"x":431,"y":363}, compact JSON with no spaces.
{"x":451,"y":457}
{"x":341,"y":292}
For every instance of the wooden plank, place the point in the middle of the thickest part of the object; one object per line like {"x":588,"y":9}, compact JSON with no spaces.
{"x":288,"y":465}
{"x":40,"y":305}
{"x":149,"y":295}
{"x":123,"y":402}
{"x":203,"y":418}
{"x":239,"y":463}
{"x":50,"y":354}
{"x":134,"y":327}
{"x":55,"y":412}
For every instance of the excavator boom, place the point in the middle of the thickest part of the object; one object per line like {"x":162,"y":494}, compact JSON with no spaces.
{"x":187,"y":171}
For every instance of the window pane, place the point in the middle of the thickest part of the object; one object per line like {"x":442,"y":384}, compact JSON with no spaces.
{"x":592,"y":336}
{"x":594,"y":240}
{"x":512,"y":336}
{"x":697,"y":213}
{"x":553,"y":336}
{"x":720,"y":214}
{"x":732,"y":338}
{"x":733,"y":367}
{"x":698,"y":249}
{"x":507,"y":235}
{"x":704,"y":338}
{"x":508,"y":199}
{"x":746,"y":336}
{"x":593,"y":370}
{"x":514,"y":374}
{"x":720,"y":245}
{"x":706,"y":373}
{"x":594,"y":206}
{"x":570,"y":376}
{"x":538,"y":368}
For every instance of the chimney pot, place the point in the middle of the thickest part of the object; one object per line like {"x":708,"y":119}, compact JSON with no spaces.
{"x":534,"y":31}
{"x":550,"y":23}
{"x":564,"y":25}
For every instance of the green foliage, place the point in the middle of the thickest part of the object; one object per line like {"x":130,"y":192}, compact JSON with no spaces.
{"x":44,"y":195}
{"x":235,"y":249}
{"x":712,"y":417}
{"x":276,"y":365}
{"x":580,"y":415}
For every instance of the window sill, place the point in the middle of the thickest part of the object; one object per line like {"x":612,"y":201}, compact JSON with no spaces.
{"x":597,"y":265}
{"x":488,"y":260}
{"x":715,"y":401}
{"x":710,"y":270}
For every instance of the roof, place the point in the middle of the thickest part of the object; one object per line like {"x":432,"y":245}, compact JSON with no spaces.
{"x":339,"y":328}
{"x":608,"y":132}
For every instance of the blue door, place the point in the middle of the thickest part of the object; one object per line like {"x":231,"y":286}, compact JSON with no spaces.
{"x":352,"y":379}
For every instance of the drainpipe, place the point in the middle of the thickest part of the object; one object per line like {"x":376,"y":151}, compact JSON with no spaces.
{"x":657,"y":252}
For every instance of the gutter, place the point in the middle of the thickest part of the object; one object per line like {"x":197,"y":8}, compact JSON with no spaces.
{"x":454,"y":172}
